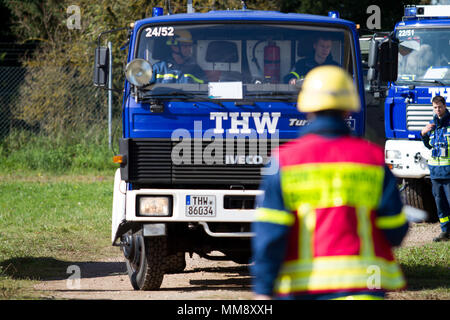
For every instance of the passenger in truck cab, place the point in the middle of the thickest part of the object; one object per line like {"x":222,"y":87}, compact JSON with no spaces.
{"x":405,"y":50}
{"x":415,"y":58}
{"x":180,"y":67}
{"x":321,"y":56}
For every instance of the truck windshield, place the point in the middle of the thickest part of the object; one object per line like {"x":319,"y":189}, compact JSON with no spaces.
{"x":239,"y":61}
{"x":424,"y":55}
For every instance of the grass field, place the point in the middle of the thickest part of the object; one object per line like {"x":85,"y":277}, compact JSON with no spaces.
{"x":47,"y":224}
{"x":427,"y":270}
{"x":50,"y":222}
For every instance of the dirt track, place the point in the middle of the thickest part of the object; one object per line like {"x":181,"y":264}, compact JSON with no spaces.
{"x":202,"y":279}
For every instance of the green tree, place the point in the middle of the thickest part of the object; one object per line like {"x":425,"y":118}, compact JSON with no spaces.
{"x":36,"y":19}
{"x":66,"y":55}
{"x":356,"y":11}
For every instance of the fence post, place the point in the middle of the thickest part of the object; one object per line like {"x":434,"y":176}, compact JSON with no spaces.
{"x":110,"y":95}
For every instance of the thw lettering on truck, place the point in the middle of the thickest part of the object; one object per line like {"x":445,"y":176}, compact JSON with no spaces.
{"x":241,"y":119}
{"x":219,"y":141}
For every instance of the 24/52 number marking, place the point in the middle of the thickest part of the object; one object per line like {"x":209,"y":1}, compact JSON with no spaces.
{"x":159,"y":32}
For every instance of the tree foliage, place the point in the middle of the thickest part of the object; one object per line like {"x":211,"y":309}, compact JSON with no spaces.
{"x":66,"y":54}
{"x":356,"y":11}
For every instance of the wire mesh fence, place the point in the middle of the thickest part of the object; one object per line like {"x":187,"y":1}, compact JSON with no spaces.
{"x":49,"y":100}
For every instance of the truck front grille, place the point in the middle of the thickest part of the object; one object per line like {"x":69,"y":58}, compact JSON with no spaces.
{"x":149,"y":161}
{"x":231,"y":163}
{"x":418,"y":116}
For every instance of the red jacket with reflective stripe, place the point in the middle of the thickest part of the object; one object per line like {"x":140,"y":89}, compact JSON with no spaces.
{"x":334,"y":241}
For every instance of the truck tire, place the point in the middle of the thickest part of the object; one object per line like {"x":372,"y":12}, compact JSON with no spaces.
{"x":175,"y":263}
{"x":146,"y":265}
{"x":417,"y":193}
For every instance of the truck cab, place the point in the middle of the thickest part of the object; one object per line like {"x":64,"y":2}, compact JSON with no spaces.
{"x":193,"y":152}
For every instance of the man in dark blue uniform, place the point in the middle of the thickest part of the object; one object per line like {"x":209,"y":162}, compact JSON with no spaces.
{"x":322,"y":48}
{"x":435,"y":137}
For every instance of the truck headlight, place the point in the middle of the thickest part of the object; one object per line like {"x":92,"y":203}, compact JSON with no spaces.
{"x":154,"y":206}
{"x":393,"y":154}
{"x":139,"y":72}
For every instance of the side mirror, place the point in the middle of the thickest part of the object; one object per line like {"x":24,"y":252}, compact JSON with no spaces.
{"x":382,"y":62}
{"x":389,"y":60}
{"x":372,"y":60}
{"x":101,"y":65}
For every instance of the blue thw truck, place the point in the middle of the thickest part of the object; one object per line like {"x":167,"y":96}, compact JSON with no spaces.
{"x":192,"y":154}
{"x":423,"y":64}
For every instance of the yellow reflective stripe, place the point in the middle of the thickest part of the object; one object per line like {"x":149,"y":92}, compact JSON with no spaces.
{"x":448,"y":144}
{"x":365,"y":232}
{"x":307,"y":224}
{"x":295,"y":74}
{"x":391,"y":222}
{"x":359,"y":297}
{"x":439,"y":161}
{"x":333,"y":263}
{"x":324,"y":185}
{"x":274,"y":216}
{"x":343,"y":272}
{"x":445,"y":219}
{"x":193,"y":78}
{"x":166,"y":75}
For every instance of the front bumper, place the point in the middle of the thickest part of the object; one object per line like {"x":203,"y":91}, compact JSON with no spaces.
{"x":179,"y":205}
{"x":407,"y":158}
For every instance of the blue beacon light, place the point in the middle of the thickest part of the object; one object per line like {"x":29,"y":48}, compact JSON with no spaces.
{"x":333,"y":14}
{"x":410,"y":11}
{"x":157,"y":11}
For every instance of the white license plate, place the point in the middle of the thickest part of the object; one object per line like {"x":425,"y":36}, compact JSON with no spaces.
{"x":200,"y":206}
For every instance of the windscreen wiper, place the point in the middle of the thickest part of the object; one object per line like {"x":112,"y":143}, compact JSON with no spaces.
{"x":276,"y":95}
{"x":431,"y":81}
{"x":178,"y":94}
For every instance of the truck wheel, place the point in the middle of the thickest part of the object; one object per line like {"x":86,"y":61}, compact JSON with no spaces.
{"x":175,"y":263}
{"x":417,"y":193}
{"x":145,"y":261}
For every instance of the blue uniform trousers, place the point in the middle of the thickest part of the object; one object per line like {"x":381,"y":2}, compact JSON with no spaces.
{"x":441,"y":193}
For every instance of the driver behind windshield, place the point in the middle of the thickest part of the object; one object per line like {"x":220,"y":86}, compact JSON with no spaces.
{"x":180,"y":66}
{"x":322,"y":56}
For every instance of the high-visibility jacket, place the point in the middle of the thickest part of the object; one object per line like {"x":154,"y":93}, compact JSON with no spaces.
{"x":170,"y":72}
{"x":321,"y":225}
{"x":438,"y":140}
